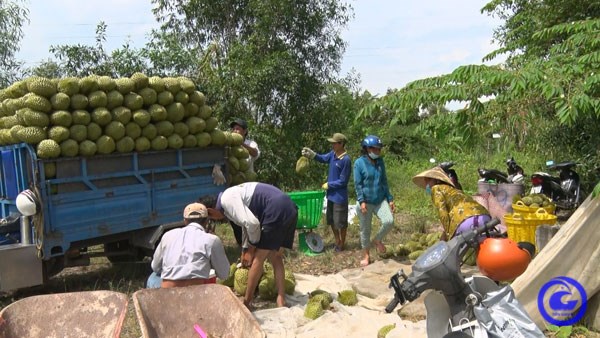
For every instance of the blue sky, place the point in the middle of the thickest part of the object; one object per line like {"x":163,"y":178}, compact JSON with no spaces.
{"x":390,"y":42}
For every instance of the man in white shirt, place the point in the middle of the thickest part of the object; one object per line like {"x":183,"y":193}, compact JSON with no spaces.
{"x":185,"y":256}
{"x":267,"y":217}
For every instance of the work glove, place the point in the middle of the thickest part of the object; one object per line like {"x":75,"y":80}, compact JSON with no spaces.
{"x":217,"y":175}
{"x":308,"y":153}
{"x":325,"y":186}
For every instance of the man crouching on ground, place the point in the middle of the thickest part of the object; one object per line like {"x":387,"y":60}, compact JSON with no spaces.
{"x":268,"y":219}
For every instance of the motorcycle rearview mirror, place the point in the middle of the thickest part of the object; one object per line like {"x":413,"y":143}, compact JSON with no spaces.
{"x":549,"y":163}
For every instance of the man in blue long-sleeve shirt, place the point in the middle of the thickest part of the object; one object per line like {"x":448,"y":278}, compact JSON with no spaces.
{"x":340,"y":167}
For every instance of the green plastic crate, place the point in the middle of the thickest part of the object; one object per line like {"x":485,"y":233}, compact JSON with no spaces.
{"x":310,"y":207}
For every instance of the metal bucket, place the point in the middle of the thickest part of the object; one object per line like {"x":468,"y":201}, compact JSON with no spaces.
{"x":503,"y":192}
{"x":73,"y":314}
{"x":176,"y":312}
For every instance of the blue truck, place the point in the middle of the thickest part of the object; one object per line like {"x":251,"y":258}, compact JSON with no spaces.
{"x":122,"y":201}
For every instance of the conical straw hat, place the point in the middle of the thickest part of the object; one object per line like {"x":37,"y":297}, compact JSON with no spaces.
{"x":435,"y":172}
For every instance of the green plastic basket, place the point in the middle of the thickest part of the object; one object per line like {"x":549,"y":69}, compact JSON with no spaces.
{"x":310,"y":207}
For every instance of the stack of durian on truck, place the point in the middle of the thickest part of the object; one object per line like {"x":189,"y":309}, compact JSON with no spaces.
{"x":100,"y":160}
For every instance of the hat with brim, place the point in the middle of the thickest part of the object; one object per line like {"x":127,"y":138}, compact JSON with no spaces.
{"x":337,"y":138}
{"x":195,"y":210}
{"x":436,"y":173}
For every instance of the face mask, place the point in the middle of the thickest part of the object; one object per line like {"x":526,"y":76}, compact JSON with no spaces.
{"x":373,"y":156}
{"x":428,"y":190}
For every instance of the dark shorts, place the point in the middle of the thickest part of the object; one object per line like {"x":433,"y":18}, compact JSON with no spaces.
{"x":337,"y":214}
{"x":276,"y":235}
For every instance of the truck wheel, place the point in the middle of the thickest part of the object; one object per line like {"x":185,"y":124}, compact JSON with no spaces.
{"x":121,"y":252}
{"x":53,"y":266}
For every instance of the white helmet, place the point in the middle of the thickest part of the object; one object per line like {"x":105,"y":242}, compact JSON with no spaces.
{"x":27,"y":203}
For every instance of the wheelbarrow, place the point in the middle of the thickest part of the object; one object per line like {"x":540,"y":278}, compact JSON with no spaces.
{"x":74,"y":314}
{"x":187,"y":311}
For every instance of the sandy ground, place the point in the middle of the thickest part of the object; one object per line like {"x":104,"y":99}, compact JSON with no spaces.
{"x":361,"y":320}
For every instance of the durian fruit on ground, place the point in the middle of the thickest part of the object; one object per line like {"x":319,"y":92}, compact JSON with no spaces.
{"x":347,"y":297}
{"x":240,"y":281}
{"x":321,"y":296}
{"x":314,"y":309}
{"x":318,"y":302}
{"x":267,"y":290}
{"x":418,"y":243}
{"x":384,"y":330}
{"x":230,"y":279}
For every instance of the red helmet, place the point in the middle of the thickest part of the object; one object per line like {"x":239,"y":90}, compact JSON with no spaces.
{"x":501,"y":259}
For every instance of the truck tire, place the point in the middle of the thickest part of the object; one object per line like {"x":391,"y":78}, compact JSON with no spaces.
{"x":121,"y":252}
{"x":53,"y":266}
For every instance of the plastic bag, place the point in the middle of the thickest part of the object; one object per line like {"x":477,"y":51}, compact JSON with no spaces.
{"x":501,"y":314}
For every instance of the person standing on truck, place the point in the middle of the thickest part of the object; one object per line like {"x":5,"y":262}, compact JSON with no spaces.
{"x":240,"y":126}
{"x":185,"y":256}
{"x":336,"y":186}
{"x":267,"y":217}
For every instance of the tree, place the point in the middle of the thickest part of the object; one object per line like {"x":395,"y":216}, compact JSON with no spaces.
{"x":269,"y":61}
{"x":545,"y":98}
{"x":12,"y":17}
{"x":82,"y":60}
{"x":523,"y":18}
{"x":552,"y":71}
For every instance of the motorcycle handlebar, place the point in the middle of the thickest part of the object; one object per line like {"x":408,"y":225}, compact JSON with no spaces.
{"x":487,"y":227}
{"x":392,"y":305}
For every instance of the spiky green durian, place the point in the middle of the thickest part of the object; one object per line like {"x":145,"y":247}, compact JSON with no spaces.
{"x":384,"y":330}
{"x":48,"y":149}
{"x":347,"y":297}
{"x":105,"y":144}
{"x":313,"y":310}
{"x":69,"y":148}
{"x":88,"y":148}
{"x":41,"y":86}
{"x":115,"y":129}
{"x":60,"y":101}
{"x":157,"y":112}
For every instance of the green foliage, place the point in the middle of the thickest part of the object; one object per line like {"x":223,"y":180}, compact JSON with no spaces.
{"x":254,"y":65}
{"x":13,"y":15}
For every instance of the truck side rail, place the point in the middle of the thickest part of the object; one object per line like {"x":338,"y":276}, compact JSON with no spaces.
{"x":104,"y":195}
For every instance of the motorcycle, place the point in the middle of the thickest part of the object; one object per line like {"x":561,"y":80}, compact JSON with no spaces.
{"x":447,"y":167}
{"x":515,"y":174}
{"x":564,"y":190}
{"x":460,"y":307}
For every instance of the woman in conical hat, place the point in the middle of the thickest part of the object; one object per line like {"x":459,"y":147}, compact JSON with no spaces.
{"x":458,"y":211}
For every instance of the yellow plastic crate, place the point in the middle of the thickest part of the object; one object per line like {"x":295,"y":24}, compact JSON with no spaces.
{"x":521,"y":227}
{"x":522,"y":208}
